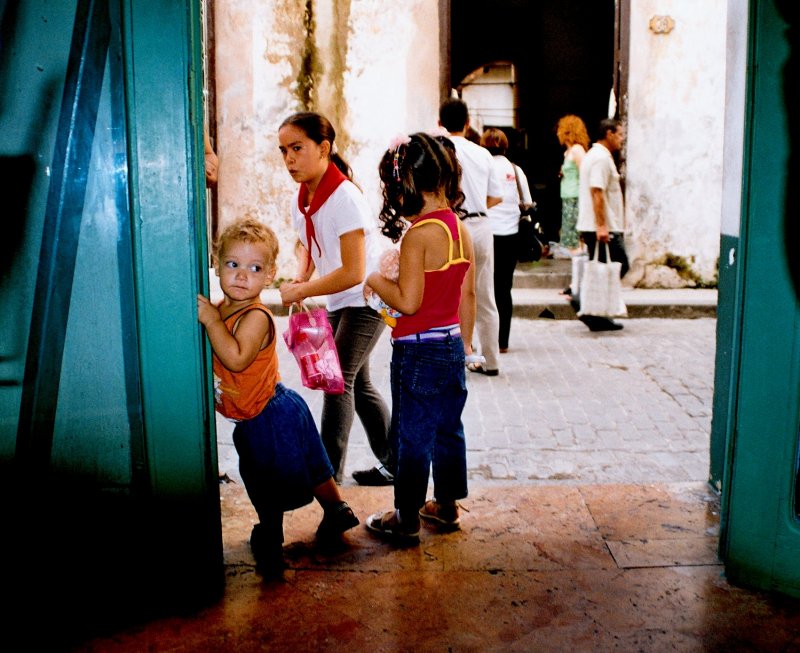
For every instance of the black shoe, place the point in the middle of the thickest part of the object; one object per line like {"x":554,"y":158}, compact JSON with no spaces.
{"x":374,"y":477}
{"x":337,"y":519}
{"x":602,"y":324}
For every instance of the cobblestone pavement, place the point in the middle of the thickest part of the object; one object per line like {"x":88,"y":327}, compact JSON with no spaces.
{"x":569,"y":406}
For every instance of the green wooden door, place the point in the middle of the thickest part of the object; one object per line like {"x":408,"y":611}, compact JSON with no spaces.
{"x":107,"y":447}
{"x":760,"y":538}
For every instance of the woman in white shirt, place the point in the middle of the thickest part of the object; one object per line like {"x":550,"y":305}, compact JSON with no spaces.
{"x":504,"y":221}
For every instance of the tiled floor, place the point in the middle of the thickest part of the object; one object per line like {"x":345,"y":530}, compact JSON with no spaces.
{"x":535,"y":568}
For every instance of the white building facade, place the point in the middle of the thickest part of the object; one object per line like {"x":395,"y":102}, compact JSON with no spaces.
{"x":374,"y":69}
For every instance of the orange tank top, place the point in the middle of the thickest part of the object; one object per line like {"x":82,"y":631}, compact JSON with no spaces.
{"x":243,"y":395}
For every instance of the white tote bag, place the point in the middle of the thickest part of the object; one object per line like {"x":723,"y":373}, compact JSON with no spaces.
{"x":601,"y":287}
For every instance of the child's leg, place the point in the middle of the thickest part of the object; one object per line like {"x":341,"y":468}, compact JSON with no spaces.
{"x":255,"y":459}
{"x":266,"y":542}
{"x":338,"y":515}
{"x":327,"y":493}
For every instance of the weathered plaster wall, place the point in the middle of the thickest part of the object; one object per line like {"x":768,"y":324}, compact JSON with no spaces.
{"x":676,"y":108}
{"x":372,"y":72}
{"x":373,"y":69}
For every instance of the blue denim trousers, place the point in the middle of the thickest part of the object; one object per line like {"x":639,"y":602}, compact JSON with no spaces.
{"x":281,"y":457}
{"x":429,"y":391}
{"x":356,"y":331}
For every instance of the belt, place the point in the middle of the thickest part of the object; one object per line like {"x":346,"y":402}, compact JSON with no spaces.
{"x":476,"y":214}
{"x":431,"y":334}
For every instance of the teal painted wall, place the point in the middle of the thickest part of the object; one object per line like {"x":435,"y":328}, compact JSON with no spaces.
{"x":760,"y":537}
{"x":32,"y":74}
{"x":107,"y":442}
{"x":728,"y":316}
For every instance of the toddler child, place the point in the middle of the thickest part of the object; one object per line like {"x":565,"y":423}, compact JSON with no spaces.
{"x":281,"y":458}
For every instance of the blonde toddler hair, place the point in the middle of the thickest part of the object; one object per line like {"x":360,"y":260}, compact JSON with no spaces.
{"x":249,"y":230}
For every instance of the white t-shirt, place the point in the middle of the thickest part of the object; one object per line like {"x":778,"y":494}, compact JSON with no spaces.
{"x":504,"y":217}
{"x":478,"y":176}
{"x":598,"y":170}
{"x":344,"y":211}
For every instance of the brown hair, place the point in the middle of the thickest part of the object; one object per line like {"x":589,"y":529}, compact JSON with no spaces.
{"x":495,"y":141}
{"x":318,"y":128}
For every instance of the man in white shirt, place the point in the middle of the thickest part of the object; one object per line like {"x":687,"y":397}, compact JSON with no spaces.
{"x":601,"y":210}
{"x":482,"y":188}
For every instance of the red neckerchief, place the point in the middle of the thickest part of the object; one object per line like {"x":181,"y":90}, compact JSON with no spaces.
{"x":330,"y":182}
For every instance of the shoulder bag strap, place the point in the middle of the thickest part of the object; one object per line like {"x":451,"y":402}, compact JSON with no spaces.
{"x":516,"y":178}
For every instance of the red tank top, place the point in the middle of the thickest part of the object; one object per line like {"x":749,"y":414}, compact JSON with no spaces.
{"x":442,"y":295}
{"x":243,"y":395}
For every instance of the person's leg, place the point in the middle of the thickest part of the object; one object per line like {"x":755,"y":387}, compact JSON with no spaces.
{"x":616,"y":246}
{"x":505,"y":262}
{"x":487,"y":320}
{"x":370,"y":406}
{"x":417,"y":377}
{"x":450,"y":452}
{"x":569,"y":219}
{"x":266,"y":543}
{"x":356,"y":331}
{"x":256,"y":459}
{"x":338,"y":516}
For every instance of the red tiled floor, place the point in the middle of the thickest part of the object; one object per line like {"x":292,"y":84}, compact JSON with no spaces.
{"x":535,"y":568}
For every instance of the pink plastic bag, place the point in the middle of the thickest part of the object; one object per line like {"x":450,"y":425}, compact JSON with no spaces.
{"x":310,"y":339}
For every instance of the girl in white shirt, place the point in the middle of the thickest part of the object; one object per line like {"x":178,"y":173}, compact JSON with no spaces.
{"x":338,"y":240}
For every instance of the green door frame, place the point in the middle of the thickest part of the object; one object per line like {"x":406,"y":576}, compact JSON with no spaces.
{"x":760,"y":530}
{"x":163,"y":80}
{"x":124,"y":514}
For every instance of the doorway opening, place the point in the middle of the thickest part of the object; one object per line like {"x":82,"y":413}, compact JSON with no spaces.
{"x":524,"y":65}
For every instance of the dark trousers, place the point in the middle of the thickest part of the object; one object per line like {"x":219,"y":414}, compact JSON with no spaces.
{"x":616,"y":248}
{"x":505,"y":262}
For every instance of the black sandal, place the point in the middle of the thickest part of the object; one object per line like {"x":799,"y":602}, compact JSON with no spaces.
{"x":336,"y":520}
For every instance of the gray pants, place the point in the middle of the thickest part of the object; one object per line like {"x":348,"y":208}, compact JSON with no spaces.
{"x":356,"y":330}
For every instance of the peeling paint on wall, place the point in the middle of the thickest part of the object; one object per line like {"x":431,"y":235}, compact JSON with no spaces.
{"x":370,"y":67}
{"x":308,"y":68}
{"x":674,"y":152}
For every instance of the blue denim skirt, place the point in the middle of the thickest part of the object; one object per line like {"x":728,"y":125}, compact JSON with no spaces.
{"x":281,"y":457}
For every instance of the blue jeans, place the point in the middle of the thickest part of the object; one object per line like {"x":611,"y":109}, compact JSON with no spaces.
{"x":281,"y":458}
{"x":356,"y":331}
{"x":428,"y":396}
